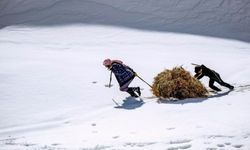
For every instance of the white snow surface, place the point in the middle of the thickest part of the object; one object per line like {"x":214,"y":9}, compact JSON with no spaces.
{"x":53,"y":94}
{"x":219,"y":18}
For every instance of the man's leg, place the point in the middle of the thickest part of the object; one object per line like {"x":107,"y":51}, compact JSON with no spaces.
{"x":221,"y":82}
{"x":130,"y":90}
{"x":211,"y":85}
{"x":227,"y":85}
{"x":124,"y":88}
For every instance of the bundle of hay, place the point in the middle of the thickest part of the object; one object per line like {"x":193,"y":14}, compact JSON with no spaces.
{"x":177,"y":83}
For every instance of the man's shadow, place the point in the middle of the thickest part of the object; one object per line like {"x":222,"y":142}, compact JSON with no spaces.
{"x":194,"y":100}
{"x":131,"y":103}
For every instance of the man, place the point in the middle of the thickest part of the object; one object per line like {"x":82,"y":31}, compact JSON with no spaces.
{"x":124,"y":75}
{"x":202,"y":70}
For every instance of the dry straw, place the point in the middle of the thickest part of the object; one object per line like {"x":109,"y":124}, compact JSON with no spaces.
{"x":177,"y":83}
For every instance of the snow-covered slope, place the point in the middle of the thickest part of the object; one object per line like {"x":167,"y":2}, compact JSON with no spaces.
{"x":52,"y":81}
{"x":220,"y":18}
{"x":53,"y":94}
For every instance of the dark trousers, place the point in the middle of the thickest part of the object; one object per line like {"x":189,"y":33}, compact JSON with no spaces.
{"x":220,"y":81}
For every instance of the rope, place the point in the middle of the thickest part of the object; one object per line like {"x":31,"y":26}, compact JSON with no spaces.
{"x":144,"y":81}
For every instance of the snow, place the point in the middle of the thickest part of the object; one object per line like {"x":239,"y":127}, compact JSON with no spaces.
{"x":53,"y":92}
{"x":218,"y":18}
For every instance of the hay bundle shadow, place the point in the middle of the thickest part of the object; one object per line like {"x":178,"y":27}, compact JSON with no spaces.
{"x":177,"y":83}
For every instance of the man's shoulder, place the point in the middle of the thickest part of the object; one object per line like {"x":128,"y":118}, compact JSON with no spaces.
{"x":117,"y":64}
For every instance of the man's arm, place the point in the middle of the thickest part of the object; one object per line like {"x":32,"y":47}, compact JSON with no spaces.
{"x":199,"y":75}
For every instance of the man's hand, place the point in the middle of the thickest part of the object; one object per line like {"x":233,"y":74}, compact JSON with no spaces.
{"x":108,"y":85}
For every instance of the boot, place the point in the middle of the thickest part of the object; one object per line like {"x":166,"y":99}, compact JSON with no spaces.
{"x":138,"y":90}
{"x":131,"y":92}
{"x":231,"y":87}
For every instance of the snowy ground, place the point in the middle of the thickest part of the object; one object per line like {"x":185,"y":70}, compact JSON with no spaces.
{"x":53,"y":94}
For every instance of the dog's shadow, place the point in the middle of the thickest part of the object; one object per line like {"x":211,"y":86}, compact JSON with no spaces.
{"x":131,"y":103}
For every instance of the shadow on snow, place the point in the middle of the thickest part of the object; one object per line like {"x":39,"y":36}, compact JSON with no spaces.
{"x":130,"y":103}
{"x":194,"y":100}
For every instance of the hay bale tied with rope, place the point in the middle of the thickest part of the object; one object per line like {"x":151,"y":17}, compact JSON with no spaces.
{"x":177,"y":83}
